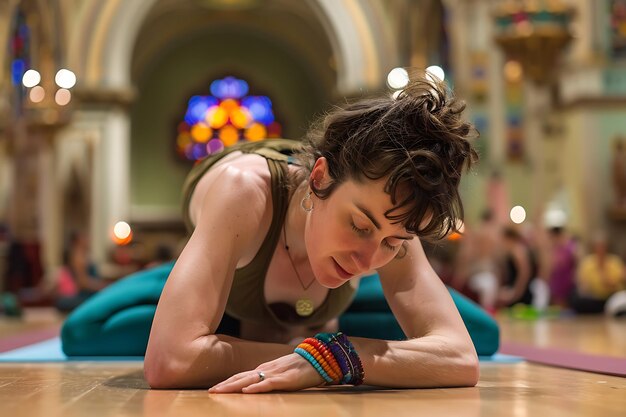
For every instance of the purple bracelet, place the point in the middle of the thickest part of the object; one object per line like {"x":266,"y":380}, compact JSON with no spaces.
{"x":345,"y":354}
{"x":353,"y":357}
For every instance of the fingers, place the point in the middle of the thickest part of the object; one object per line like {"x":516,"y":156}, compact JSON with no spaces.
{"x":259,"y":387}
{"x":236,"y":383}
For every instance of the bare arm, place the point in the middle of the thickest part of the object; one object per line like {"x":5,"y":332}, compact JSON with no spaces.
{"x":183,"y":349}
{"x":439,"y":351}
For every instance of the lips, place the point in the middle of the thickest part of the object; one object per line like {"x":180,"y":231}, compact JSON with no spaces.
{"x":342,"y":272}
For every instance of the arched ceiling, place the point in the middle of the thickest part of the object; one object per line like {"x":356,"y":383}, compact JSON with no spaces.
{"x":359,"y":33}
{"x":289,"y":24}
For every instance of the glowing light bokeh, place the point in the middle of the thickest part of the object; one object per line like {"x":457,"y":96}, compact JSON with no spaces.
{"x":229,"y":135}
{"x":31,"y":78}
{"x":65,"y":78}
{"x":197,"y":108}
{"x":518,"y":214}
{"x":62,"y":97}
{"x":121,"y":230}
{"x":240,"y":118}
{"x":37,"y":94}
{"x":256,"y":132}
{"x":436,"y":71}
{"x":229,"y":87}
{"x":223,"y":119}
{"x":201,"y":133}
{"x":122,"y":233}
{"x":217,"y":117}
{"x":398,"y":78}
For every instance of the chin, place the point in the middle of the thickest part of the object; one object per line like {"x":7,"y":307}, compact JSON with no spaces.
{"x":331,"y":282}
{"x":327,"y":279}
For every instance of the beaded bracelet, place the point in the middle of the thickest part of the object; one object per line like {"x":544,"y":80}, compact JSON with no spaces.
{"x":321,"y":360}
{"x":353,"y":356}
{"x":344,"y":352}
{"x":306,"y":355}
{"x":342,"y":359}
{"x":323,"y":350}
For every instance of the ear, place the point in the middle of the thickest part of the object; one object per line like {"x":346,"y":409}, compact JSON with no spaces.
{"x":320,"y":174}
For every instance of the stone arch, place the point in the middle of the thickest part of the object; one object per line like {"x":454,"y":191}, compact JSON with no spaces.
{"x":362,"y":41}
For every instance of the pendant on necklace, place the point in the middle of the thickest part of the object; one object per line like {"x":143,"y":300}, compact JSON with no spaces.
{"x":304,"y":307}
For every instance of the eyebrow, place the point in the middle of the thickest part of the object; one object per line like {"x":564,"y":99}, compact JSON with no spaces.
{"x":376,"y":224}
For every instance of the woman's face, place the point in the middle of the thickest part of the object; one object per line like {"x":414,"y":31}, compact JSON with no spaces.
{"x":347,"y":234}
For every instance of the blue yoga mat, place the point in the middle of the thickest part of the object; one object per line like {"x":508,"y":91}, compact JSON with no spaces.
{"x":50,"y":351}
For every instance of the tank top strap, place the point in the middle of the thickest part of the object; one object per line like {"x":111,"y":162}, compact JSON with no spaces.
{"x":280,"y":202}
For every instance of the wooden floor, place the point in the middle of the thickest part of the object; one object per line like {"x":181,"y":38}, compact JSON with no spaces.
{"x":519,"y":389}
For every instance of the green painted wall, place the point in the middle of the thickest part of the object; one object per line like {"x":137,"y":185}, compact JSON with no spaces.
{"x":186,"y":69}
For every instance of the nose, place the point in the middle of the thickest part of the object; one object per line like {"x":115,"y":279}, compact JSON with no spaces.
{"x":364,"y":257}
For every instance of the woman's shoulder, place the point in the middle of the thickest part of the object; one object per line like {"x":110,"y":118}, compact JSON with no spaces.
{"x":236,"y":204}
{"x":237,"y":181}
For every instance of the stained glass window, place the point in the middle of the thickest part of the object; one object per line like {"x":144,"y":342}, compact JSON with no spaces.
{"x":225,"y":117}
{"x":20,"y":45}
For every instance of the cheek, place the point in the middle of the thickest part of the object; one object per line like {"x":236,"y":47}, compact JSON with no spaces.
{"x":326,"y":236}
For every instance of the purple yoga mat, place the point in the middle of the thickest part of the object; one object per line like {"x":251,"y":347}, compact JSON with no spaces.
{"x":27,"y":338}
{"x":610,"y":365}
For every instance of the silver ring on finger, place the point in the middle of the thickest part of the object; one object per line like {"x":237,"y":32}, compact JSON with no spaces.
{"x":261,"y":376}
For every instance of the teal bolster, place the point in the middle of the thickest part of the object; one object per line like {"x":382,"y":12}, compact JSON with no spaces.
{"x":370,"y":316}
{"x":117,"y":320}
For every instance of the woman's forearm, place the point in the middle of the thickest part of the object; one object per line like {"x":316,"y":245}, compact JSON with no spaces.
{"x":207,"y":360}
{"x":430,"y":361}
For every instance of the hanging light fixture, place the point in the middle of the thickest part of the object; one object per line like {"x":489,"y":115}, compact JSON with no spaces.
{"x":534,"y":33}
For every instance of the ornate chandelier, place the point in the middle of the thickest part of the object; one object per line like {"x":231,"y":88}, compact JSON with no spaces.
{"x":534,"y":32}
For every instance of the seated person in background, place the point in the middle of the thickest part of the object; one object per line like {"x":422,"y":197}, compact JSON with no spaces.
{"x":520,"y":270}
{"x":563,"y":260}
{"x":477,"y":264}
{"x":600,"y":275}
{"x":77,"y":279}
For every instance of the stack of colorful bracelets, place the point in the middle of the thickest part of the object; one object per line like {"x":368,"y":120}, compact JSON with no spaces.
{"x":333,"y":356}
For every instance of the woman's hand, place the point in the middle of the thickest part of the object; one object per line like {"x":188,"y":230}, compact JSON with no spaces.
{"x":287,"y":373}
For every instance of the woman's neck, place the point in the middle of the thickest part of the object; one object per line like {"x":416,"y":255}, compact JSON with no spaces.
{"x":294,"y":225}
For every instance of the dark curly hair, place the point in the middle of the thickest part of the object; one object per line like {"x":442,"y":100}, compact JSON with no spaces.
{"x":418,"y":141}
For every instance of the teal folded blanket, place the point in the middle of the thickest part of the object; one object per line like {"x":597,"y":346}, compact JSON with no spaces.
{"x":117,"y":320}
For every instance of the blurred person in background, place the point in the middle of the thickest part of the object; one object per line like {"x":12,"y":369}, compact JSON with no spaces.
{"x":477,"y":267}
{"x":77,"y":279}
{"x":599,"y":275}
{"x":562,"y":265}
{"x":520,"y":269}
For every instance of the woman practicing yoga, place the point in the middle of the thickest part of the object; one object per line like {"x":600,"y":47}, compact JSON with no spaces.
{"x":282,"y":233}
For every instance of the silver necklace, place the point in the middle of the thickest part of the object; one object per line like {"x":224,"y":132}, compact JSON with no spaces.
{"x":304,"y":305}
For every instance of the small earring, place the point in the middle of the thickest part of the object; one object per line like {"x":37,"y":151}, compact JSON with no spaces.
{"x":307,"y":202}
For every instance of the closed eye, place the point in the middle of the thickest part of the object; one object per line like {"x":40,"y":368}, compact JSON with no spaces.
{"x":390,"y":247}
{"x":364,"y":232}
{"x":358,"y":230}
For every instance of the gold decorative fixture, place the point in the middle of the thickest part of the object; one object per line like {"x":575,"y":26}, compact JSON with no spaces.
{"x":534,"y":33}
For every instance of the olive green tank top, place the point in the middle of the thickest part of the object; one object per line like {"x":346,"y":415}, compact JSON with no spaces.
{"x":246,"y":300}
